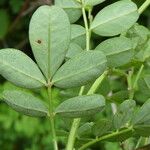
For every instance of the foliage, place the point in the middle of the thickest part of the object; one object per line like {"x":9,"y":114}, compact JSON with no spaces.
{"x":100,"y":85}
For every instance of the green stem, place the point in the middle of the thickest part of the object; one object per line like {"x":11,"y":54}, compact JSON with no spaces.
{"x":133,"y":87}
{"x":74,"y":128}
{"x":97,"y":83}
{"x":76,"y":122}
{"x":144,"y":6}
{"x":86,"y":27}
{"x":129,"y":80}
{"x":51,"y":116}
{"x":105,"y":137}
{"x":138,"y":76}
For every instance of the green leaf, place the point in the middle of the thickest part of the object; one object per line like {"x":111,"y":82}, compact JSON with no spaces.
{"x":118,"y":51}
{"x":78,"y":35}
{"x":19,"y":69}
{"x":49,"y":34}
{"x":102,"y":127}
{"x":73,"y":50}
{"x":143,"y":130}
{"x":124,"y":114}
{"x":81,"y":106}
{"x":4,"y":17}
{"x":143,"y":115}
{"x":71,"y":7}
{"x":144,"y":84}
{"x":92,"y":2}
{"x":115,"y":18}
{"x":80,"y":70}
{"x":119,"y":96}
{"x":85,"y":129}
{"x":25,"y":103}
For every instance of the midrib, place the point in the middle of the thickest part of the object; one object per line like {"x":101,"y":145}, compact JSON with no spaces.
{"x":113,"y":19}
{"x":69,"y":76}
{"x":6,"y":64}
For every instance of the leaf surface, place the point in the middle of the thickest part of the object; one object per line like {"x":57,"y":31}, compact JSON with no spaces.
{"x":71,"y":7}
{"x":118,"y":51}
{"x":19,"y":69}
{"x":115,"y":18}
{"x":49,"y":35}
{"x":81,"y":106}
{"x":25,"y":103}
{"x":80,"y":70}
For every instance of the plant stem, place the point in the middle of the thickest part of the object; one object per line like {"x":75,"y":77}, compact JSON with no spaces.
{"x":97,"y":83}
{"x":51,"y":116}
{"x":144,"y":6}
{"x":129,"y":80}
{"x":72,"y":135}
{"x":133,"y":87}
{"x":86,"y":26}
{"x":76,"y":122}
{"x":74,"y":127}
{"x":105,"y":137}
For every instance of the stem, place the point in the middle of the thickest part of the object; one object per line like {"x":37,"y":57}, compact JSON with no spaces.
{"x":105,"y":137}
{"x":86,"y":27}
{"x":74,"y":128}
{"x":72,"y":135}
{"x":144,"y":6}
{"x":138,"y":76}
{"x":97,"y":83}
{"x":49,"y":91}
{"x":129,"y":80}
{"x":76,"y":122}
{"x":132,"y":88}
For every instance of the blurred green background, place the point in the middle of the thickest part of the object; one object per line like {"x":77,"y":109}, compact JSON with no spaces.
{"x":18,"y":132}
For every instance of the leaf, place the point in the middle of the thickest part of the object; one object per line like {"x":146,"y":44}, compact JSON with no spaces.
{"x":144,"y":84}
{"x":80,"y":70}
{"x":85,"y":129}
{"x":25,"y":103}
{"x":92,"y":2}
{"x":19,"y":69}
{"x":124,"y":114}
{"x":118,"y":51}
{"x":142,"y":130}
{"x":4,"y":23}
{"x":71,"y":7}
{"x":78,"y":35}
{"x":49,"y":35}
{"x":102,"y":127}
{"x":81,"y":106}
{"x":73,"y":50}
{"x":119,"y":96}
{"x":143,"y":115}
{"x":115,"y":18}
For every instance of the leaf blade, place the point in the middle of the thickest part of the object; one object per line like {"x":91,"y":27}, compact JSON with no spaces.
{"x":87,"y":66}
{"x":81,"y":106}
{"x":25,"y":103}
{"x":47,"y":38}
{"x":115,"y":18}
{"x":19,"y":69}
